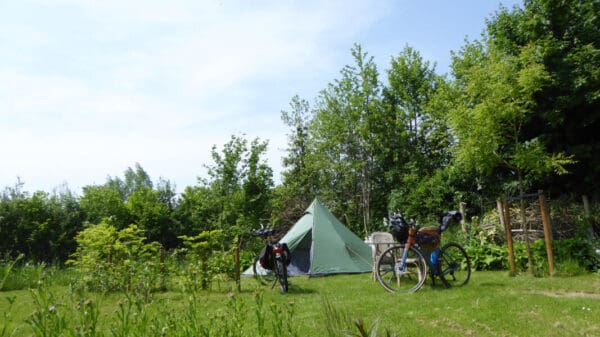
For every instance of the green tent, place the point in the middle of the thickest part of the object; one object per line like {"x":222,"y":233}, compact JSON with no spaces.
{"x":322,"y":245}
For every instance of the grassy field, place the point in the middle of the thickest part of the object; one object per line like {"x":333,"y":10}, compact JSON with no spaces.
{"x":492,"y":304}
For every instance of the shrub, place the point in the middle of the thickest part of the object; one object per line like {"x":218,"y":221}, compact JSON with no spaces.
{"x":206,"y":259}
{"x":112,"y":260}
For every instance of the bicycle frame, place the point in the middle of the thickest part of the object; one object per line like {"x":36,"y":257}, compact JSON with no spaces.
{"x":414,"y":236}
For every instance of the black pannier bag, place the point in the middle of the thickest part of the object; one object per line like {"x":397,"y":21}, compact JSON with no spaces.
{"x":287,"y":255}
{"x":448,"y":218}
{"x":265,"y":258}
{"x":398,"y":228}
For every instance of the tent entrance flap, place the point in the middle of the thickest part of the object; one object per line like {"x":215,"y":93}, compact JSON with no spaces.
{"x":300,"y":263}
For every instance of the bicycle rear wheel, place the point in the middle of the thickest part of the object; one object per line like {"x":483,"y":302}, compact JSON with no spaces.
{"x":262,"y":275}
{"x":408,"y":280}
{"x":281,"y":274}
{"x":454,"y":264}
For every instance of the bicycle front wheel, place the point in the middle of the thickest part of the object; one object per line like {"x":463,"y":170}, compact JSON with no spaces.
{"x":262,"y":275}
{"x":454,"y":264}
{"x":281,"y":274}
{"x":393,"y":277}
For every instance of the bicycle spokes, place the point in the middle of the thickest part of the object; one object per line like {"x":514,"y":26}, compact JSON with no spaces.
{"x":397,"y":278}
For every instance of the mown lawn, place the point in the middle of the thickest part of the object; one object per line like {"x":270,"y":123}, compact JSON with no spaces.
{"x":492,"y":304}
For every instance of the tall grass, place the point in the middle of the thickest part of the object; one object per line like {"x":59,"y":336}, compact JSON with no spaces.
{"x":492,"y":304}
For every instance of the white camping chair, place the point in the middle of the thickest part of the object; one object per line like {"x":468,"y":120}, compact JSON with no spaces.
{"x":379,"y":241}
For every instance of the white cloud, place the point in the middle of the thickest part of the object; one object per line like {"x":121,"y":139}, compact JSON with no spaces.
{"x":88,"y":88}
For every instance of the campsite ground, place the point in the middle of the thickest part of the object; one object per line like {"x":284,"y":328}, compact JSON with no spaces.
{"x":492,"y":304}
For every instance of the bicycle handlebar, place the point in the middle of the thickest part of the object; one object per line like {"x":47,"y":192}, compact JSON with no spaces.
{"x":263,"y":232}
{"x":444,"y":221}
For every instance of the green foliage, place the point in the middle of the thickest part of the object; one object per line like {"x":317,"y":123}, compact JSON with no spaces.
{"x":491,"y":301}
{"x":564,"y":37}
{"x":153,"y":215}
{"x":206,"y":259}
{"x":105,"y":202}
{"x":344,"y":128}
{"x":110,"y":259}
{"x":7,"y":319}
{"x":6,"y":269}
{"x":40,"y":226}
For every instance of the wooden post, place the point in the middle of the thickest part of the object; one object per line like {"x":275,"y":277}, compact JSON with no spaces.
{"x":509,"y":241}
{"x":587,"y":215}
{"x":500,"y":213}
{"x":547,"y":233}
{"x":462,"y":208}
{"x":586,"y":205}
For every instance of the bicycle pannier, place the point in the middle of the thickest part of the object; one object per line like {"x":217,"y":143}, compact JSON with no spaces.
{"x":448,"y":218}
{"x":287,"y":255}
{"x":265,"y":258}
{"x":398,"y":228}
{"x":429,"y":240}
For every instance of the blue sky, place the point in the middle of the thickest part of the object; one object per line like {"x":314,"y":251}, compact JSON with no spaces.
{"x":89,"y":88}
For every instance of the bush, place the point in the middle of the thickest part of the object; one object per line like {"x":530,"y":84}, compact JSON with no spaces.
{"x":206,"y":259}
{"x":111,"y":260}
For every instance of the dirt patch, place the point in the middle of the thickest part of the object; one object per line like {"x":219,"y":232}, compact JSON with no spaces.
{"x":565,"y":294}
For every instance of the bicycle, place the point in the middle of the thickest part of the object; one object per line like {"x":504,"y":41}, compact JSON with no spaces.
{"x":403,"y":268}
{"x":270,"y":266}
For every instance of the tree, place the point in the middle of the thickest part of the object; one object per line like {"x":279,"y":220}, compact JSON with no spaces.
{"x":134,"y":179}
{"x":497,"y":99}
{"x":566,"y":117}
{"x":105,"y":202}
{"x":418,"y":139}
{"x":300,"y":181}
{"x":40,"y":226}
{"x":153,"y":216}
{"x":343,"y":130}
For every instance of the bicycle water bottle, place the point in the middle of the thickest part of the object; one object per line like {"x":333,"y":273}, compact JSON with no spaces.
{"x":433,"y":258}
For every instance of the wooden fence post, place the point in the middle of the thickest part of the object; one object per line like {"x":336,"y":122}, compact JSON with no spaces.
{"x":587,"y":214}
{"x":509,"y":240}
{"x":586,"y":205}
{"x":547,"y":233}
{"x":500,"y":213}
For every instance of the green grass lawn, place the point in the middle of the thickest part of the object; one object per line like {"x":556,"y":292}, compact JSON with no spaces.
{"x":492,"y":304}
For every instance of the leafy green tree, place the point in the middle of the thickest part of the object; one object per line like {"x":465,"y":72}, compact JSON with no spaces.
{"x":203,"y":252}
{"x":343,"y":128}
{"x":197,"y":209}
{"x":105,"y":202}
{"x":566,"y":38}
{"x":40,"y":226}
{"x":110,"y":259}
{"x":418,"y":140}
{"x":257,"y":184}
{"x":133,"y":180}
{"x":300,"y":183}
{"x":241,"y":182}
{"x":153,"y":216}
{"x":498,"y":99}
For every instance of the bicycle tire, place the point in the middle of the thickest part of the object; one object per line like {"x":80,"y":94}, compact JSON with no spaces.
{"x":407,"y":281}
{"x":455,"y":265}
{"x":263,"y":276}
{"x":281,"y":275}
